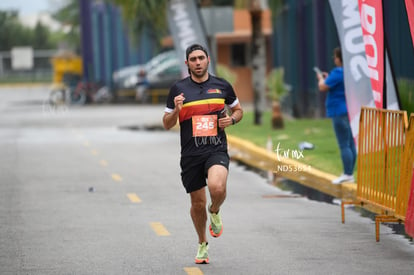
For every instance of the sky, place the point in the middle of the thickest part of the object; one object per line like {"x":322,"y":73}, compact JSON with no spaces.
{"x":31,"y":10}
{"x":27,"y":7}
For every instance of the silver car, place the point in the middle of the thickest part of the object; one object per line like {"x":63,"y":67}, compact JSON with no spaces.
{"x":127,"y":78}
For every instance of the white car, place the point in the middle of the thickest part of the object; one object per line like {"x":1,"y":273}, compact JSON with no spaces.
{"x":129,"y":77}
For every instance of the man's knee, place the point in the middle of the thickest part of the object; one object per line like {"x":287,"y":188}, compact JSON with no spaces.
{"x":198,"y":200}
{"x":198,"y":206}
{"x":217,"y":188}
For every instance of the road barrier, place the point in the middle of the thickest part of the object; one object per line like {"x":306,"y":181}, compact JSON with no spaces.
{"x":385,"y":164}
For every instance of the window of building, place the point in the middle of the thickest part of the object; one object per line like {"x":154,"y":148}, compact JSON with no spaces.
{"x":239,"y":54}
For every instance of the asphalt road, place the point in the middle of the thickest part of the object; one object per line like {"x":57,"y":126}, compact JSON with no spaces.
{"x":88,"y":190}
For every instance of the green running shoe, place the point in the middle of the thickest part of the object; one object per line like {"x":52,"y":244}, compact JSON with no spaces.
{"x":202,"y":254}
{"x":216,"y":226}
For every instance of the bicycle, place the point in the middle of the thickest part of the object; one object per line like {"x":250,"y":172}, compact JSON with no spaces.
{"x":82,"y":93}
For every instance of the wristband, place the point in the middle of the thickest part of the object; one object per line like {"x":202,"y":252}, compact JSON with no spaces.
{"x":233,"y":121}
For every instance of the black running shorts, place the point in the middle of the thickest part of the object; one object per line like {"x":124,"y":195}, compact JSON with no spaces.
{"x":194,"y":169}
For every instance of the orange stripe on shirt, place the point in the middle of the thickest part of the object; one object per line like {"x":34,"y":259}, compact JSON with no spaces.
{"x":201,"y":107}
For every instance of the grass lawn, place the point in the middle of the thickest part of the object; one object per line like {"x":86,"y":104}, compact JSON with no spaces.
{"x":325,"y":156}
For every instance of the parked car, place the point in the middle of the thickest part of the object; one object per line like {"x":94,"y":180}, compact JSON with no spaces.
{"x":126,"y":79}
{"x":155,"y":83}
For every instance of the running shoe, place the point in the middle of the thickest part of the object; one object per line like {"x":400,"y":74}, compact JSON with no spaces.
{"x":216,"y":226}
{"x":343,"y":178}
{"x":202,"y":254}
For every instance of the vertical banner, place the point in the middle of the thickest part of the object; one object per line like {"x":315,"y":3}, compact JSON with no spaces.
{"x":373,"y":36}
{"x":186,"y":27}
{"x":409,"y":6}
{"x":356,"y":72}
{"x":409,"y":217}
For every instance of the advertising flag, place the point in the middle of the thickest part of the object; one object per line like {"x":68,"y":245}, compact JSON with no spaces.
{"x":186,"y":27}
{"x":357,"y":73}
{"x":409,"y":6}
{"x":409,"y":217}
{"x":373,"y":37}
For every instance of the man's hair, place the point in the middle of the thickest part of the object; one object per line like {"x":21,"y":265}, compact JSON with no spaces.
{"x":194,"y":47}
{"x":338,"y":53}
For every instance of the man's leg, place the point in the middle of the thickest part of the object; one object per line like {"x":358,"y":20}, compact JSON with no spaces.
{"x":217,"y":178}
{"x":217,"y":181}
{"x":198,"y":213}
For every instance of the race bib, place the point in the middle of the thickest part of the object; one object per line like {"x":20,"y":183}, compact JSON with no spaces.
{"x":204,"y":126}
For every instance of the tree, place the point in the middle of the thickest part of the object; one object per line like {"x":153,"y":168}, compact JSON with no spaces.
{"x":277,"y":89}
{"x":145,"y":15}
{"x":68,"y":16}
{"x":12,"y":32}
{"x":41,"y":37}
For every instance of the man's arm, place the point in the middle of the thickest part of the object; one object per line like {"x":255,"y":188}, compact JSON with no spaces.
{"x":170,"y":119}
{"x":321,"y":82}
{"x":236,"y":115}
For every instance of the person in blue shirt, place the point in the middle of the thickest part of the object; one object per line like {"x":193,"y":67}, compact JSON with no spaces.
{"x":335,"y":104}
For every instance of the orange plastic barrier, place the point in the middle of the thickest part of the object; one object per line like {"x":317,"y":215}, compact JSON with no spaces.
{"x":380,"y":150}
{"x":406,"y":172}
{"x":385,"y":164}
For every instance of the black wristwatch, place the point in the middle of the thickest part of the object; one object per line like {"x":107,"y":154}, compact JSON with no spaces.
{"x":233,"y":121}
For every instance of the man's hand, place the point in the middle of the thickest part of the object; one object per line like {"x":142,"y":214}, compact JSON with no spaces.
{"x":178,"y":101}
{"x":170,"y":119}
{"x":225,"y":122}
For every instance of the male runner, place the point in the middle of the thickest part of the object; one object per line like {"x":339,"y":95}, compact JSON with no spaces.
{"x":198,"y":102}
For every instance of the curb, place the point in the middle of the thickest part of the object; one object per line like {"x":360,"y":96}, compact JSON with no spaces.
{"x":258,"y":157}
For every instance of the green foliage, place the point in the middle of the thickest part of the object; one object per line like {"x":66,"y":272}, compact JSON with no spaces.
{"x":41,"y":37}
{"x":13,"y":33}
{"x":224,"y":72}
{"x":145,"y":15}
{"x":276,"y":85}
{"x":274,"y":5}
{"x":68,"y":15}
{"x":406,"y":93}
{"x":325,"y":156}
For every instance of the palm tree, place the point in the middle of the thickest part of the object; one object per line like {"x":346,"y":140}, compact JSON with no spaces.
{"x":69,"y":16}
{"x":145,"y":15}
{"x":277,"y":90}
{"x":258,"y":52}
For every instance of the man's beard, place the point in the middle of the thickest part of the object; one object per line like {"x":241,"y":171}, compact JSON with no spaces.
{"x":199,"y":74}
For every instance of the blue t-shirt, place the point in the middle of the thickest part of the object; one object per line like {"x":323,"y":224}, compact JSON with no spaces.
{"x":335,"y":101}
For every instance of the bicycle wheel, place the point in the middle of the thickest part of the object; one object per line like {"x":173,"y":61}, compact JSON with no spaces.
{"x":78,"y":97}
{"x":57,"y":97}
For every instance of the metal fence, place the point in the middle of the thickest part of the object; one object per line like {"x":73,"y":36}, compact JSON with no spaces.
{"x":42,"y":70}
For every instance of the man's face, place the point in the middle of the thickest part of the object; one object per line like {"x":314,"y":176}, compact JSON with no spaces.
{"x":198,"y":63}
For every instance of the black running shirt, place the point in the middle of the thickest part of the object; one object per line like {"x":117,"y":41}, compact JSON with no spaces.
{"x":199,"y":116}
